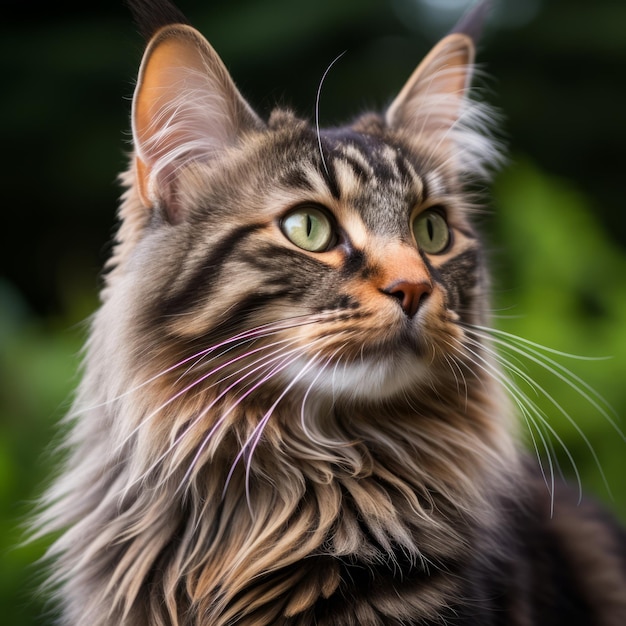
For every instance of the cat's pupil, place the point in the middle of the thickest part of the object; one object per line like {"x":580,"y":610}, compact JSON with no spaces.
{"x":430,"y":228}
{"x":308,"y":228}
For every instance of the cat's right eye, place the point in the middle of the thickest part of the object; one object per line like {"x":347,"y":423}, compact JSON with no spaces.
{"x":308,"y":228}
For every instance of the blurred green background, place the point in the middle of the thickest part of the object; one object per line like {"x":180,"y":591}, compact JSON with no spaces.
{"x":556,"y":229}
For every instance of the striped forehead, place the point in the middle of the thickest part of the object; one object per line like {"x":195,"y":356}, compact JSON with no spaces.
{"x":370,"y":158}
{"x":373,"y":177}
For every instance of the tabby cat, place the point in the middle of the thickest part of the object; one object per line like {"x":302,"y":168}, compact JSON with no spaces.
{"x":291,"y":411}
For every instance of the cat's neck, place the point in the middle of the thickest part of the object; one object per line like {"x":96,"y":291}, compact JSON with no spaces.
{"x":363,"y":490}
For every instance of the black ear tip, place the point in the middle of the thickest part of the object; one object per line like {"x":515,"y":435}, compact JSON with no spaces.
{"x":151,"y":15}
{"x":473,"y":22}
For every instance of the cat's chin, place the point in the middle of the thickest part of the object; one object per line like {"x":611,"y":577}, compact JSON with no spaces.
{"x":367,"y":379}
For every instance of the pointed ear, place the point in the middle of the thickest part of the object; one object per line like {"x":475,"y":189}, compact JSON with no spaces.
{"x":432,"y":100}
{"x":434,"y":113}
{"x":185,"y":108}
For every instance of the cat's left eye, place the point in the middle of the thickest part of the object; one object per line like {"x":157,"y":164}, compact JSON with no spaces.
{"x":431,"y":231}
{"x":308,"y":228}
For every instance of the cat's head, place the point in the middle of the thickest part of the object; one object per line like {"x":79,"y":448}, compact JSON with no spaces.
{"x":337,"y":261}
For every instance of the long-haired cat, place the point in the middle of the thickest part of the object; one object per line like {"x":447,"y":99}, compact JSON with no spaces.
{"x":291,"y":412}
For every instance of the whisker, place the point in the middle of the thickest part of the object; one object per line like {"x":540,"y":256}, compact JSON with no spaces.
{"x":497,"y":331}
{"x":453,"y":363}
{"x":547,"y":446}
{"x":564,"y":374}
{"x":525,"y":405}
{"x":544,"y":418}
{"x":250,"y":334}
{"x":322,"y":369}
{"x":190,"y":386}
{"x":262,"y":363}
{"x":317,"y":110}
{"x":275,"y":328}
{"x":277,"y":369}
{"x":258,"y":431}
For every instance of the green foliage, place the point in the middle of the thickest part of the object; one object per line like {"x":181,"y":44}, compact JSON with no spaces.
{"x":559,"y":274}
{"x":560,"y":282}
{"x":37,"y":372}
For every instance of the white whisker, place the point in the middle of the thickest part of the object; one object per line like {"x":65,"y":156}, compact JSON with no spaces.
{"x":526,"y":406}
{"x":562,"y":373}
{"x":563,"y":376}
{"x":247,"y":335}
{"x":540,"y":414}
{"x":321,"y":371}
{"x":192,"y":385}
{"x":255,"y":437}
{"x":454,"y":364}
{"x":285,"y":363}
{"x":496,"y":331}
{"x":262,"y":363}
{"x":317,"y":110}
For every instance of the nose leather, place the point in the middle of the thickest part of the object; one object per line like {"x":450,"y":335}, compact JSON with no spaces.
{"x":410,"y":294}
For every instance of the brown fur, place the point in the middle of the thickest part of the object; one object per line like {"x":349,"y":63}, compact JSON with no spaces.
{"x":267,"y":435}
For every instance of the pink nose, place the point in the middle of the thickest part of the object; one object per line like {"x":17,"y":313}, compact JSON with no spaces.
{"x":409,"y":294}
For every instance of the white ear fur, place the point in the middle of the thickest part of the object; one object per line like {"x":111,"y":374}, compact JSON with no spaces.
{"x":186,"y":107}
{"x":433,"y":107}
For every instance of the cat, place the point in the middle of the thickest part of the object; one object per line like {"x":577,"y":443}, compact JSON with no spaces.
{"x":291,"y":412}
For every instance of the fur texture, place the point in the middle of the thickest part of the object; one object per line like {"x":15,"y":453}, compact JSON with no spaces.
{"x":266,"y":434}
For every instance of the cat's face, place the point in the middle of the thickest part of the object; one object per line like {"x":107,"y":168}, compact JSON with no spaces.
{"x":337,"y":261}
{"x":284,"y":370}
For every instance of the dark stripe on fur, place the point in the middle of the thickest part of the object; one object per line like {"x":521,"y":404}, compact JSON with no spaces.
{"x":356,"y":167}
{"x":198,"y":286}
{"x":458,"y":276}
{"x":341,"y":302}
{"x":370,"y":149}
{"x":251,"y":304}
{"x":280,"y":261}
{"x":330,"y":177}
{"x":407,"y":176}
{"x":354,"y":262}
{"x":296,"y":178}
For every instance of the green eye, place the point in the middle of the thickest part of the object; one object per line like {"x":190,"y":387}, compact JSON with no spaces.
{"x":431,"y":232}
{"x":308,"y":228}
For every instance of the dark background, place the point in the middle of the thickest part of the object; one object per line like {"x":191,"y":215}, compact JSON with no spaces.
{"x":556,"y":233}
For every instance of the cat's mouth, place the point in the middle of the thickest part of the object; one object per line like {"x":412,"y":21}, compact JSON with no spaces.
{"x":367,"y":368}
{"x":370,"y":377}
{"x":373,"y":354}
